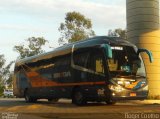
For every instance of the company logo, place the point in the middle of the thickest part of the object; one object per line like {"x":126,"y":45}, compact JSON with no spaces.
{"x":62,"y":74}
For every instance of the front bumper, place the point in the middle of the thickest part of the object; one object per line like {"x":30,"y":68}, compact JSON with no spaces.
{"x":126,"y":95}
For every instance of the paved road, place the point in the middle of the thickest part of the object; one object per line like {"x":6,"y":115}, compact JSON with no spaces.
{"x":63,"y":109}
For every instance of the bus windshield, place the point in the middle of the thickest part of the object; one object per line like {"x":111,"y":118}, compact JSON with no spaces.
{"x":125,"y":62}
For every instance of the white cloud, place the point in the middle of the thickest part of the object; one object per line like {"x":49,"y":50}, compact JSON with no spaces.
{"x":21,"y":19}
{"x":21,"y":28}
{"x":102,"y":15}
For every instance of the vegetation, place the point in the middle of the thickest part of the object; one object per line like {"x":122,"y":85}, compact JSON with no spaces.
{"x":118,"y":32}
{"x":5,"y":74}
{"x":76,"y":27}
{"x":33,"y":47}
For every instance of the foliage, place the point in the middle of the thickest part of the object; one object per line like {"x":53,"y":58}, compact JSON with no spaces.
{"x":5,"y":74}
{"x":76,"y":27}
{"x":118,"y":32}
{"x":1,"y":89}
{"x":2,"y":61}
{"x":33,"y":47}
{"x":2,"y":69}
{"x":9,"y":80}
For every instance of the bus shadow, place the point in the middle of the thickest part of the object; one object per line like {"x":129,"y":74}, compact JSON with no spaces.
{"x":67,"y":104}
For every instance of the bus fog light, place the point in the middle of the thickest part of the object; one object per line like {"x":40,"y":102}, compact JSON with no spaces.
{"x":113,"y":94}
{"x":120,"y":82}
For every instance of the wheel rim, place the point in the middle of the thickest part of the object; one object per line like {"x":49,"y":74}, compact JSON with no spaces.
{"x":110,"y":101}
{"x":78,"y":97}
{"x":27,"y":98}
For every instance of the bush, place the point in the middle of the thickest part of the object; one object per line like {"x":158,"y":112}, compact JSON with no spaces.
{"x":1,"y":90}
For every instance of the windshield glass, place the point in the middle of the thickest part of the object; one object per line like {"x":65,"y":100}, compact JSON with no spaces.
{"x":125,"y":62}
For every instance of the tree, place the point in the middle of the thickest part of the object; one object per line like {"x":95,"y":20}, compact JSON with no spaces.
{"x":2,"y":62}
{"x":33,"y":47}
{"x":76,"y":27}
{"x":5,"y":74}
{"x":118,"y":32}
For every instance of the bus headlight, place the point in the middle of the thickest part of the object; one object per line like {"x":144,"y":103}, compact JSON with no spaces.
{"x":116,"y":88}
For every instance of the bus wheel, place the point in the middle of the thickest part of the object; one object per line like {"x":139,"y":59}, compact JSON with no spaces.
{"x":78,"y":97}
{"x":28,"y":98}
{"x":110,"y":102}
{"x":53,"y":100}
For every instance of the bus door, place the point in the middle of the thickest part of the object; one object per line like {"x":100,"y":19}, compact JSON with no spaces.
{"x":98,"y":75}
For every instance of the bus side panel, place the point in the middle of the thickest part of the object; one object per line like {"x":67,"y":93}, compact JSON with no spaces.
{"x":48,"y":78}
{"x":16,"y":90}
{"x":21,"y":83}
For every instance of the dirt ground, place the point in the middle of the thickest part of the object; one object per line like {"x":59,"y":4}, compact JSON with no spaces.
{"x":15,"y":108}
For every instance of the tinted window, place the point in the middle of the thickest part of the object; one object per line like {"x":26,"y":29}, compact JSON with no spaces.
{"x":97,"y":61}
{"x":125,"y":61}
{"x":81,"y":58}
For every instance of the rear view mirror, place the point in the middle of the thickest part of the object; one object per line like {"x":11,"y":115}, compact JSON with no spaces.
{"x":108,"y":50}
{"x":148,"y":52}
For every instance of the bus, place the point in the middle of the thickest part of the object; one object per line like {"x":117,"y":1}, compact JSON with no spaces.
{"x":98,"y":69}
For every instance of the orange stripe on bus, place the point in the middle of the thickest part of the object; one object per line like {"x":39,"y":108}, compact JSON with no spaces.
{"x":32,"y":74}
{"x":37,"y":80}
{"x":49,"y":84}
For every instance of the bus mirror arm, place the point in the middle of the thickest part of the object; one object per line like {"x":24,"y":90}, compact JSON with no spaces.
{"x":146,"y":51}
{"x":108,"y":50}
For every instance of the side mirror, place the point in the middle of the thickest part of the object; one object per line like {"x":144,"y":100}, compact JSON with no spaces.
{"x":148,"y":52}
{"x":108,"y":50}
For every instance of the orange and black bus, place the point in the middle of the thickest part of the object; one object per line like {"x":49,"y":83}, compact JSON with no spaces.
{"x":96,"y":69}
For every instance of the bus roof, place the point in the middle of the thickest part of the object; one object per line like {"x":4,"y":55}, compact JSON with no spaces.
{"x":79,"y":44}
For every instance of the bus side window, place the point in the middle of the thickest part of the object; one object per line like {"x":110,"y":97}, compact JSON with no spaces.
{"x":97,"y":64}
{"x":81,"y":59}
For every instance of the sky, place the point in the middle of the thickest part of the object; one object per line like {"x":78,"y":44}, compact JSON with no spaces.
{"x":21,"y":19}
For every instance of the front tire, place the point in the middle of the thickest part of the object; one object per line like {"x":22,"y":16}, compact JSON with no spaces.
{"x":110,"y":102}
{"x":28,"y":98}
{"x":78,"y":97}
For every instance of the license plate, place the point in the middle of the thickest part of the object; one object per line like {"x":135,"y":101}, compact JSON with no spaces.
{"x":133,"y":94}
